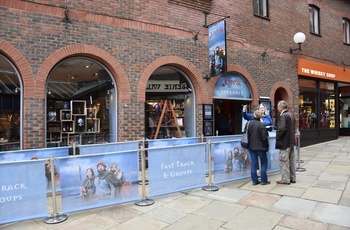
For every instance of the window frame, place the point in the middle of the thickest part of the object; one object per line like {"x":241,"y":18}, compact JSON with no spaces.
{"x":315,"y":23}
{"x":346,"y":31}
{"x":261,"y":8}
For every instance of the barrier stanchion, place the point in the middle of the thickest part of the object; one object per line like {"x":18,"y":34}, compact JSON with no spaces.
{"x":210,"y":186}
{"x":55,"y":217}
{"x":74,"y":148}
{"x":298,"y":168}
{"x":202,"y":141}
{"x":297,"y":138}
{"x":143,"y":145}
{"x":144,"y":200}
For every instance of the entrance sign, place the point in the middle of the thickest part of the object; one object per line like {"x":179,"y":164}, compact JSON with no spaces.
{"x":232,"y":86}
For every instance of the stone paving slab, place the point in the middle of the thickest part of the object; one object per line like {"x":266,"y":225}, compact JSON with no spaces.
{"x":141,"y":222}
{"x":254,"y":218}
{"x":188,"y":203}
{"x":333,"y":214}
{"x":323,"y":195}
{"x":219,"y":210}
{"x":302,"y":224}
{"x":166,"y":215}
{"x":295,"y":207}
{"x":191,"y":222}
{"x":259,"y":200}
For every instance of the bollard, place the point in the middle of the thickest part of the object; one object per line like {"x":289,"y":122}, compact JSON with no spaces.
{"x":298,"y":168}
{"x":55,"y":217}
{"x":210,"y":186}
{"x":144,"y":200}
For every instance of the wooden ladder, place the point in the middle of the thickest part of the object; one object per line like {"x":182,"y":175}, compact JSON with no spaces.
{"x":173,"y":117}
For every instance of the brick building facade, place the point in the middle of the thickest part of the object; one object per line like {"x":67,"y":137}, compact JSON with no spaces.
{"x":132,"y":39}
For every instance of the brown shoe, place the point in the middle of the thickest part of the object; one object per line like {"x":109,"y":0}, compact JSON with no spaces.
{"x":282,"y":182}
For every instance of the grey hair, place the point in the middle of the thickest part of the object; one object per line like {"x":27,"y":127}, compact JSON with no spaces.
{"x":283,"y":104}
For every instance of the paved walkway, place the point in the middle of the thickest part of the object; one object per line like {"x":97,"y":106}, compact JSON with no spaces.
{"x":319,"y":200}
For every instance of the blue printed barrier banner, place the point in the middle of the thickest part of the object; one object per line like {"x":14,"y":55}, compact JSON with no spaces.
{"x":32,"y":154}
{"x":22,"y":191}
{"x":223,"y":138}
{"x":232,"y":162}
{"x":177,"y":168}
{"x":108,"y":147}
{"x":92,"y":181}
{"x":172,"y":142}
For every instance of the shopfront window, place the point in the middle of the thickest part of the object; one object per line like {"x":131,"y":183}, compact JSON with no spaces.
{"x":80,"y":104}
{"x":307,"y":105}
{"x":327,"y":105}
{"x":169,"y":108}
{"x":10,"y":106}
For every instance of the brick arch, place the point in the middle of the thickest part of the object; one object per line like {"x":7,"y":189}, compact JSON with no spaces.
{"x":286,"y":93}
{"x":95,"y":53}
{"x":187,"y":67}
{"x":21,"y":65}
{"x":244,"y":73}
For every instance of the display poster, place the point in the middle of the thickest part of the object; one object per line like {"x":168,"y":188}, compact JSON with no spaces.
{"x":232,"y":161}
{"x":99,"y":180}
{"x":217,"y":49}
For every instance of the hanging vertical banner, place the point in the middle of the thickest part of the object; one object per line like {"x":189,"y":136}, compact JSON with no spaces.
{"x":92,"y":181}
{"x":176,"y":168}
{"x":217,"y":49}
{"x":22,"y":191}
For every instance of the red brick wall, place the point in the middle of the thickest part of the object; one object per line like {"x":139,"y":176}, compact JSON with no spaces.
{"x":133,"y":38}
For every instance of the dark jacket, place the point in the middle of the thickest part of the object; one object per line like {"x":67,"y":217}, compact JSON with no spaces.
{"x":258,"y":137}
{"x":285,"y":132}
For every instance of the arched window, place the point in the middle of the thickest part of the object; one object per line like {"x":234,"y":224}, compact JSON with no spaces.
{"x":81,"y":103}
{"x":10,"y":106}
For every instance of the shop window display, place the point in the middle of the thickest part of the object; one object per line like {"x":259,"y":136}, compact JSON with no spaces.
{"x":10,"y":106}
{"x":307,"y":105}
{"x":80,"y":94}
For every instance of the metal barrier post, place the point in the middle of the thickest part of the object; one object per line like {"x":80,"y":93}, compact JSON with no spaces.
{"x":55,"y":217}
{"x":298,"y":168}
{"x":297,"y":137}
{"x":144,"y":200}
{"x":143,"y":145}
{"x":210,"y":186}
{"x":74,"y":148}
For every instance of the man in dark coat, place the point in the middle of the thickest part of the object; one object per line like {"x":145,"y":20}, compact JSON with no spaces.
{"x":285,"y":142}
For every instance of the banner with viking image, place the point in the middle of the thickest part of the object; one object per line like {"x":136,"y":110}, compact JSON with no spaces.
{"x":98,"y":180}
{"x":217,"y":49}
{"x":233,"y":162}
{"x":38,"y":154}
